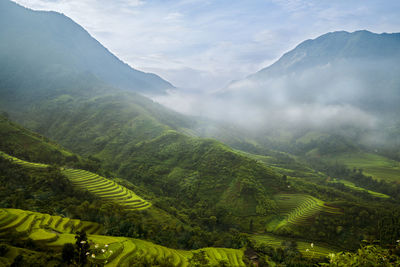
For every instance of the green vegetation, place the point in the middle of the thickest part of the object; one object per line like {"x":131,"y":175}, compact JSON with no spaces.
{"x":30,"y":146}
{"x":106,"y":189}
{"x":95,"y":184}
{"x":357,"y":188}
{"x":20,"y":226}
{"x":23,"y":162}
{"x":39,"y":227}
{"x":315,"y":250}
{"x":298,"y":209}
{"x":373,"y":165}
{"x":367,"y":255}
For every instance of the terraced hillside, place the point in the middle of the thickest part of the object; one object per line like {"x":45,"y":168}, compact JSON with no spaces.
{"x":23,"y":162}
{"x":360,"y":189}
{"x":298,"y":209}
{"x":54,"y":231}
{"x":104,"y":188}
{"x":41,"y":227}
{"x":308,"y":250}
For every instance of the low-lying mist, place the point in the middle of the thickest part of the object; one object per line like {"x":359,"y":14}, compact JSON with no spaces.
{"x":334,"y":97}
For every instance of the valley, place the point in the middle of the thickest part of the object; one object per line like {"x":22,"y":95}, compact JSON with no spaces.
{"x":297,"y":164}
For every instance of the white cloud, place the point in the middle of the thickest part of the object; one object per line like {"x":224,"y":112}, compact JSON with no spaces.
{"x":214,"y":42}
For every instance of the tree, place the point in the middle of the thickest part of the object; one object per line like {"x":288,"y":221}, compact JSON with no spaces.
{"x":199,"y":259}
{"x":82,"y":247}
{"x":68,"y":253}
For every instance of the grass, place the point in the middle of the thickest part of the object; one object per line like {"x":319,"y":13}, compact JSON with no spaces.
{"x":372,"y":165}
{"x":357,"y":188}
{"x":318,"y":250}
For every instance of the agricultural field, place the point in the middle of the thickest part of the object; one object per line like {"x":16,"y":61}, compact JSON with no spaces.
{"x":305,"y":248}
{"x":297,"y":209}
{"x":106,"y":189}
{"x":357,"y":188}
{"x":372,"y":165}
{"x":55,"y":231}
{"x":23,"y":162}
{"x":41,"y":227}
{"x":97,"y":185}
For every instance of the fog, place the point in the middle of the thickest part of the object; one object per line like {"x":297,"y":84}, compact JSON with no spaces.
{"x":328,"y":96}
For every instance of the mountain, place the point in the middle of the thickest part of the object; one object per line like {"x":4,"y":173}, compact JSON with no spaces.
{"x":41,"y":43}
{"x":356,"y":74}
{"x":131,"y":136}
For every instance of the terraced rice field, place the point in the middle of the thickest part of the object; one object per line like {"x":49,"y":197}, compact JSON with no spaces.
{"x":102,"y":187}
{"x":41,"y":227}
{"x":357,"y":188}
{"x":23,"y":162}
{"x":299,"y":209}
{"x":106,"y":189}
{"x":54,"y":232}
{"x":317,"y":250}
{"x":380,"y":168}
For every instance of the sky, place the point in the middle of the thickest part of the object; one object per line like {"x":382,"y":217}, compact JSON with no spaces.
{"x":202,"y":46}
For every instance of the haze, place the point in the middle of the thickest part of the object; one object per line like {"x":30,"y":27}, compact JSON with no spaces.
{"x":204,"y":45}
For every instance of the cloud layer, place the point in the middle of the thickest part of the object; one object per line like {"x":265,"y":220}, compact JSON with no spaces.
{"x":203,"y":45}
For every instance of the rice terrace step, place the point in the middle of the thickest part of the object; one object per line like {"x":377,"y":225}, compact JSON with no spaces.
{"x":95,"y":184}
{"x":108,"y":251}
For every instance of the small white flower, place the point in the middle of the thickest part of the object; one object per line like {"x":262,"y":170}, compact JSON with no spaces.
{"x":103,"y":250}
{"x":312,"y":245}
{"x":83,"y":242}
{"x":96,"y":246}
{"x":87,"y":253}
{"x":111,"y":251}
{"x":307,"y":250}
{"x":106,"y":245}
{"x":397,"y":241}
{"x":93,"y":256}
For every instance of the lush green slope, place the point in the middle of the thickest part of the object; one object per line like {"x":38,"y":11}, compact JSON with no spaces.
{"x":28,"y":145}
{"x":143,"y":142}
{"x":298,"y":209}
{"x":101,"y":187}
{"x":308,"y":250}
{"x":47,"y":231}
{"x":378,"y":167}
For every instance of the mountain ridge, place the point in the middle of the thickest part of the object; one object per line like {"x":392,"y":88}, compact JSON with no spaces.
{"x":54,"y":39}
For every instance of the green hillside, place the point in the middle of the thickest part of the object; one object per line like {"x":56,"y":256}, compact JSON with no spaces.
{"x":298,"y":209}
{"x":52,"y":232}
{"x":378,"y":167}
{"x":99,"y":186}
{"x":28,"y":145}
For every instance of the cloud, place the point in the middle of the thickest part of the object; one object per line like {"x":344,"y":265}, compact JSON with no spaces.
{"x":219,"y":41}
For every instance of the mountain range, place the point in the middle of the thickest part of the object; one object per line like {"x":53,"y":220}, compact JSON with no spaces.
{"x":338,"y":73}
{"x":74,"y":116}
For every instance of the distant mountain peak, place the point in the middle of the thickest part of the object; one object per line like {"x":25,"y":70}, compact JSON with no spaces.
{"x":334,"y":46}
{"x":50,"y":38}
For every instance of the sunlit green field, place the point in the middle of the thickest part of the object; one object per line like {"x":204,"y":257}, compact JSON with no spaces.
{"x":308,"y":250}
{"x":53,"y":232}
{"x":372,"y":165}
{"x":297,"y":209}
{"x":354,"y":187}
